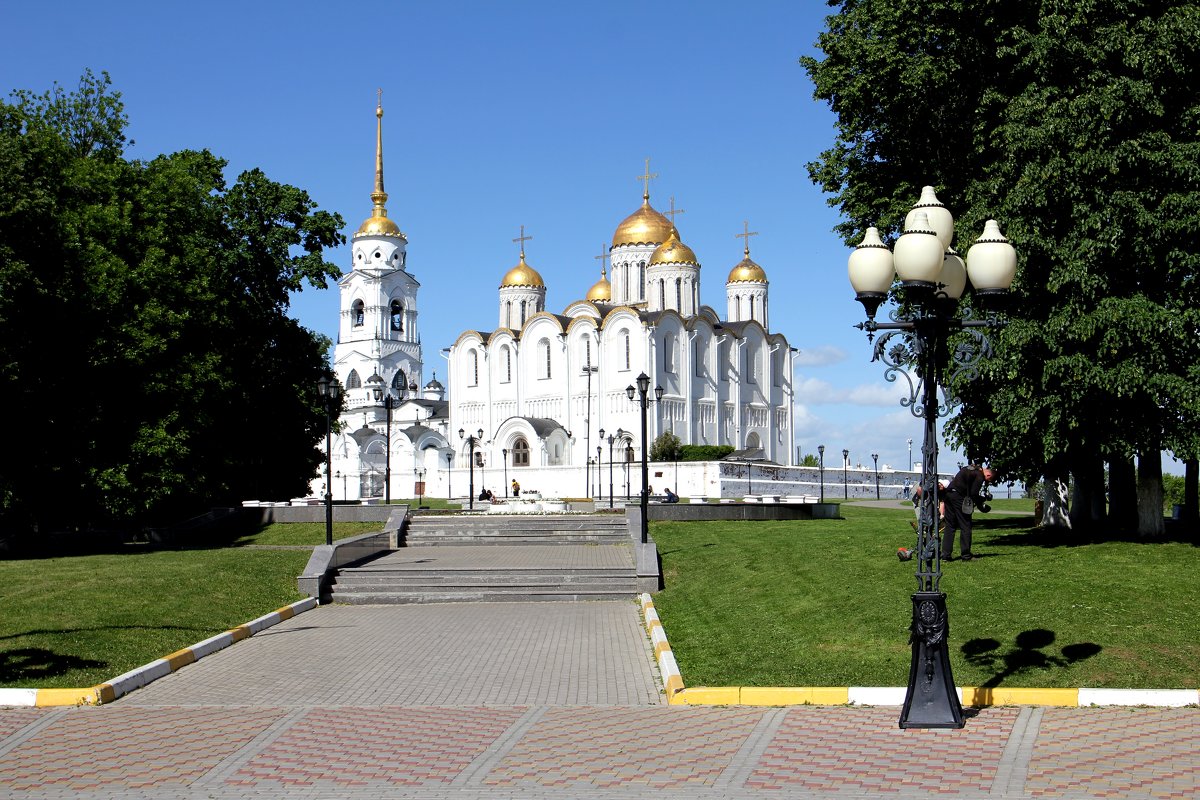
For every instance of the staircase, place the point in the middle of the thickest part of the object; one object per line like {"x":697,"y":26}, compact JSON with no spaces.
{"x":497,"y":558}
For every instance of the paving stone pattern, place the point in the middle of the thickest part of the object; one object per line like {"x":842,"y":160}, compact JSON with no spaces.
{"x":590,"y":752}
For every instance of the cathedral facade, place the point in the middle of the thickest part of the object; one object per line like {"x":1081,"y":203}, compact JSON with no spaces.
{"x":543,"y":397}
{"x":552,"y":389}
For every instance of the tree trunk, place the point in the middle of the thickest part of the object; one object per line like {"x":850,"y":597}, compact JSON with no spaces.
{"x":1054,"y":514}
{"x":1122,"y":493}
{"x":1150,"y":496}
{"x":1087,"y":503}
{"x":1191,"y":509}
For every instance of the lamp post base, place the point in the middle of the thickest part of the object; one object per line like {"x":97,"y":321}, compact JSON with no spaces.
{"x":931,"y":700}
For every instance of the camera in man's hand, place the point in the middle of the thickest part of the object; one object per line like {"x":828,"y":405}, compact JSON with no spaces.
{"x":986,"y":496}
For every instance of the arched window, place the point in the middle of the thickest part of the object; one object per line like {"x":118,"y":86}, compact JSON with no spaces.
{"x":508,"y":314}
{"x":587,"y":351}
{"x":669,"y":353}
{"x":357,"y":313}
{"x":641,"y":276}
{"x":625,"y":335}
{"x":544,"y":358}
{"x":679,"y":295}
{"x":752,"y":442}
{"x":397,"y":316}
{"x":751,"y":370}
{"x":737,"y":307}
{"x":520,"y":453}
{"x":723,"y":361}
{"x":698,"y":352}
{"x":474,"y":367}
{"x":400,"y":381}
{"x":751,"y":301}
{"x":353,"y":381}
{"x":522,"y":313}
{"x":506,"y":357}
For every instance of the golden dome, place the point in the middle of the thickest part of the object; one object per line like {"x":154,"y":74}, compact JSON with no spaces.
{"x":601,"y":290}
{"x":644,"y":226}
{"x":379,"y":225}
{"x":746,"y":271}
{"x":522,"y":275}
{"x":673,"y":251}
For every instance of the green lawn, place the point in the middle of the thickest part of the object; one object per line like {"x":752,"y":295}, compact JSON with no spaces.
{"x":81,"y":620}
{"x":826,"y":603}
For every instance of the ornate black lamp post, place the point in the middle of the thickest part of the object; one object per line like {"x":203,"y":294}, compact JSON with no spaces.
{"x":449,"y":461}
{"x":932,"y":279}
{"x":875,"y":458}
{"x":420,"y":473}
{"x":473,"y":441}
{"x":599,"y":461}
{"x":620,"y":436}
{"x":390,"y":403}
{"x":845,"y":470}
{"x":821,"y":464}
{"x":643,"y":388}
{"x":330,"y":391}
{"x":504,"y":457}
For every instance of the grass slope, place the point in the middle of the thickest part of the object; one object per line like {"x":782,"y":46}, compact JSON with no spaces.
{"x":826,"y":603}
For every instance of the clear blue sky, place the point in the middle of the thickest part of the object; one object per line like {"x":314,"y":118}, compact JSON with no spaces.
{"x":502,"y":114}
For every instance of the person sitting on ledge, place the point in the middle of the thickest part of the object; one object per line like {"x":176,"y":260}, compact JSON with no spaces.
{"x":671,"y":497}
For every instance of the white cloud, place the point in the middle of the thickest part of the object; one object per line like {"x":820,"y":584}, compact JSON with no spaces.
{"x":814,"y":391}
{"x":821,"y":356}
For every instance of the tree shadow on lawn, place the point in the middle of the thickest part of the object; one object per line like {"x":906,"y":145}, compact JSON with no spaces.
{"x":1027,"y":654}
{"x":1017,"y":533}
{"x":38,"y":663}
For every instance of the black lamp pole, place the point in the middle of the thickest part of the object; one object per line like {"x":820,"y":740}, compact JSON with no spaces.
{"x":504,"y":456}
{"x":420,"y":487}
{"x":330,"y":391}
{"x":599,"y":460}
{"x":472,"y":442}
{"x":641,"y":392}
{"x":611,"y":440}
{"x":388,"y":404}
{"x":875,"y":458}
{"x":932,"y":279}
{"x":449,"y":461}
{"x":845,"y":469}
{"x":821,"y":455}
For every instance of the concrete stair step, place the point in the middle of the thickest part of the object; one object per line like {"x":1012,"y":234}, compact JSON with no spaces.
{"x":473,"y":596}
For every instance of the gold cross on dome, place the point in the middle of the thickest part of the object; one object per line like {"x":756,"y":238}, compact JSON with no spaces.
{"x":746,"y":234}
{"x":673,"y":211}
{"x":602,"y":258}
{"x":522,"y":239}
{"x":646,"y":178}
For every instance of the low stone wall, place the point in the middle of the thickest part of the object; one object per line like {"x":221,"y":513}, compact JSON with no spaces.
{"x":346,"y":513}
{"x":325,"y":559}
{"x":696,"y":512}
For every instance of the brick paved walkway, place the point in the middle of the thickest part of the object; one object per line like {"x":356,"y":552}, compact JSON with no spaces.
{"x":547,"y":701}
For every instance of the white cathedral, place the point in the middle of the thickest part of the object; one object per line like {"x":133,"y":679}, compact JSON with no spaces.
{"x":543,"y":397}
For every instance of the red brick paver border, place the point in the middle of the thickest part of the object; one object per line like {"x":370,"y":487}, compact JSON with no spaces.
{"x":851,"y":749}
{"x":597,"y":748}
{"x":1116,"y":752}
{"x":112,"y":747}
{"x":398,"y":746}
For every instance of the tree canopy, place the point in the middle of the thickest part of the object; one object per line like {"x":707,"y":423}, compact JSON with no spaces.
{"x":1075,"y":124}
{"x":146,"y":354}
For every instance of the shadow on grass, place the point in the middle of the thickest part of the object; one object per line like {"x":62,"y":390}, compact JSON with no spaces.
{"x":1021,"y":535}
{"x":37,"y":663}
{"x":1029,"y":653}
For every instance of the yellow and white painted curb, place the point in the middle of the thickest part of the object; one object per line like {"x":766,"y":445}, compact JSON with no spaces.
{"x":978,"y":696}
{"x":137,"y":678}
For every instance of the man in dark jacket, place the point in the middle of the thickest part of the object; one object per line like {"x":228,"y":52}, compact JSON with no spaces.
{"x":969,"y":484}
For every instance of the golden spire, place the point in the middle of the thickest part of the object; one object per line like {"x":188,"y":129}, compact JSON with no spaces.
{"x":746,"y":234}
{"x":379,"y":196}
{"x":646,"y":178}
{"x":378,"y":224}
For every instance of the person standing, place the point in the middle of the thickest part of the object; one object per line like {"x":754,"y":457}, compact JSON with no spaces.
{"x":964,"y":493}
{"x":516,"y":488}
{"x":907,"y":488}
